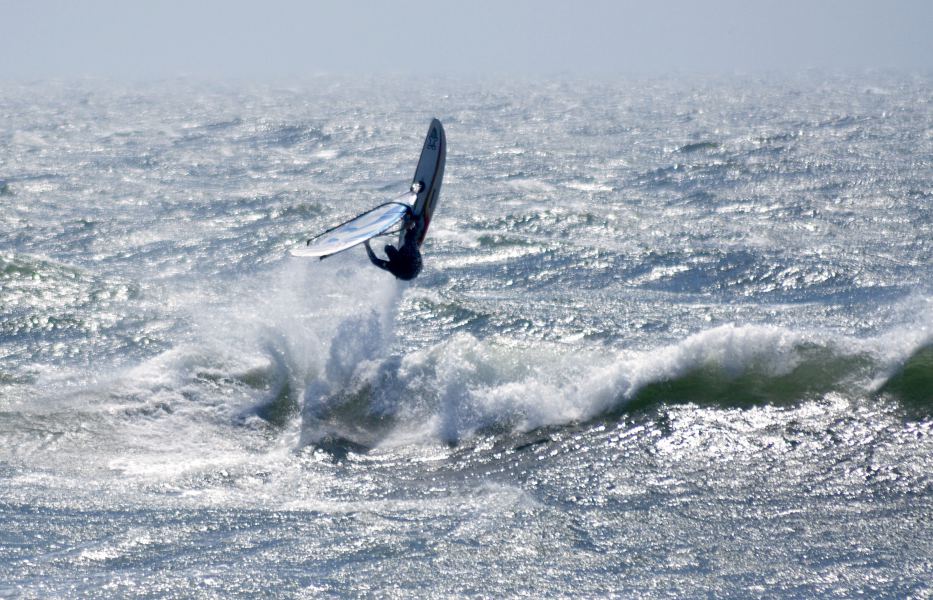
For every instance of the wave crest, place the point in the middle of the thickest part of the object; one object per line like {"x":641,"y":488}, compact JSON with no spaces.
{"x":465,"y":387}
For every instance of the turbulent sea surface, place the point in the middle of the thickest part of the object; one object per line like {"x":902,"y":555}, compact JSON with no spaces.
{"x":673,"y":338}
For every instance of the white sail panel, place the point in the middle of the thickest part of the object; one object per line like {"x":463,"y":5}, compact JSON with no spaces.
{"x":357,"y":230}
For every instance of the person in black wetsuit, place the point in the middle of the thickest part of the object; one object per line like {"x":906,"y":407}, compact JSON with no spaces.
{"x":404,"y":262}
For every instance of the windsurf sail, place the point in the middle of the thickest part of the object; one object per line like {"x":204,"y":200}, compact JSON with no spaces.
{"x":357,"y":230}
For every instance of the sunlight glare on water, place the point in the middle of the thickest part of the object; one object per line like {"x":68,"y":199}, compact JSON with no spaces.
{"x":672,"y":338}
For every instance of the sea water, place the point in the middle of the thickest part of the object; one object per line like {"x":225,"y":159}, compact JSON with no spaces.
{"x":672,"y":339}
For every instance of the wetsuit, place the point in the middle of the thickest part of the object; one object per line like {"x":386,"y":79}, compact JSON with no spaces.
{"x":404,"y":262}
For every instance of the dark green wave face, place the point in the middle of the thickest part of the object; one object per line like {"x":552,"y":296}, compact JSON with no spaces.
{"x":819,"y":372}
{"x":912,"y":384}
{"x":671,"y":339}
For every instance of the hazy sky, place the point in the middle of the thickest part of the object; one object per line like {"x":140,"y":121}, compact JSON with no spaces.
{"x":284,"y":38}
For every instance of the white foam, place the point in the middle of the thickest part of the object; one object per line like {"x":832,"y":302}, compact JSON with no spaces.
{"x":467,"y":385}
{"x":586,"y":186}
{"x":483,"y":384}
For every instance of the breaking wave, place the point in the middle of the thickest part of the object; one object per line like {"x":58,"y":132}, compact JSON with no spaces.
{"x":464,"y":386}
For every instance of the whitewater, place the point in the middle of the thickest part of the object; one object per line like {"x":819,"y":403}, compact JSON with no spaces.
{"x":673,"y":338}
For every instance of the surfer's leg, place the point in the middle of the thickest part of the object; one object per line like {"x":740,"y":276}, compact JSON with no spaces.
{"x":413,"y":225}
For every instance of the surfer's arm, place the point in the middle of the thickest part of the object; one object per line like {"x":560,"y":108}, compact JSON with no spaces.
{"x":379,"y":262}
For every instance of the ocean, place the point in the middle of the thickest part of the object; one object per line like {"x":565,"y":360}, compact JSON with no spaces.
{"x":673,"y":338}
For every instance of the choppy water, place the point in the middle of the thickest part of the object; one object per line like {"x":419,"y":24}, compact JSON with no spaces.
{"x":673,"y":338}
